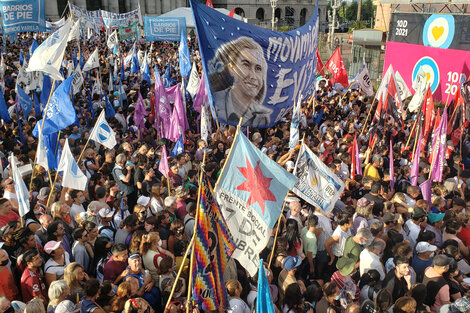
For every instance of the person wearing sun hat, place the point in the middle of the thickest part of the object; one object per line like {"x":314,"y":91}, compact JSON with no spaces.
{"x":435,"y":224}
{"x":342,"y":277}
{"x":287,"y":275}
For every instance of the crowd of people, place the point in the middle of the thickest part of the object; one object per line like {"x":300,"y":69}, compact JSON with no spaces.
{"x":117,"y":246}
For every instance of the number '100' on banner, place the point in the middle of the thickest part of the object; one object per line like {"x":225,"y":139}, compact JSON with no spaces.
{"x":254,"y":73}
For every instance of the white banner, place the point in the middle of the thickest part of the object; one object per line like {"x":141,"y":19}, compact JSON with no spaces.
{"x":316,"y":183}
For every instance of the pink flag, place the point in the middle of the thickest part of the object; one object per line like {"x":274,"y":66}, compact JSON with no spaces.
{"x":201,"y":95}
{"x":439,"y":145}
{"x":415,"y":168}
{"x":181,"y":110}
{"x":392,"y":169}
{"x":175,"y":129}
{"x":163,"y":166}
{"x":356,"y":157}
{"x":426,"y":191}
{"x":140,"y":113}
{"x":162,"y":107}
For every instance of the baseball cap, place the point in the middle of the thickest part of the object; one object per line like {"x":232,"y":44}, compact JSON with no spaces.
{"x":389,"y":217}
{"x":290,"y":165}
{"x":51,"y":246}
{"x":441,"y":260}
{"x":105,"y":212}
{"x":423,"y":246}
{"x":292,"y":262}
{"x":44,"y":193}
{"x":419,"y":212}
{"x":435,"y":217}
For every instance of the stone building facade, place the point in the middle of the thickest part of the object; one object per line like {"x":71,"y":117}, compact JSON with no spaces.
{"x":290,"y":13}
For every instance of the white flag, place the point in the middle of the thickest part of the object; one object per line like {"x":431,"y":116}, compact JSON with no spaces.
{"x":75,"y":31}
{"x":144,"y":63}
{"x":363,"y":79}
{"x":22,"y":192}
{"x":103,"y":133}
{"x":403,"y":90}
{"x":113,"y":40}
{"x":41,"y":152}
{"x":97,"y":90}
{"x":2,"y":66}
{"x":420,"y":85}
{"x":92,"y":62}
{"x":77,"y":79}
{"x":73,"y":176}
{"x":48,"y":56}
{"x":129,"y":56}
{"x":193,"y":82}
{"x":295,"y":125}
{"x":205,"y":123}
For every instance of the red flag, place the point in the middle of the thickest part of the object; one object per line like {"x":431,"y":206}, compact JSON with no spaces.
{"x":336,"y":66}
{"x":458,"y":101}
{"x":378,"y":110}
{"x":209,"y":3}
{"x":231,"y":13}
{"x":319,"y":64}
{"x":429,"y":114}
{"x":437,"y":121}
{"x":392,"y":103}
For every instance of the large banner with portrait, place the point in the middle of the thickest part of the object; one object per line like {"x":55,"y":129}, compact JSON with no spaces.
{"x":22,"y":16}
{"x":316,"y":183}
{"x":254,"y":73}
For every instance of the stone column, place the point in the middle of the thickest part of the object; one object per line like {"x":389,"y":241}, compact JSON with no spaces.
{"x":149,"y":7}
{"x":158,"y":6}
{"x":172,"y":5}
{"x":113,"y":6}
{"x":180,"y":3}
{"x":81,"y":4}
{"x":166,"y":6}
{"x":105,"y":4}
{"x":51,"y":8}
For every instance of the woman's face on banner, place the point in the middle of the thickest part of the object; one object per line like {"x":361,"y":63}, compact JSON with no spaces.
{"x":249,"y":71}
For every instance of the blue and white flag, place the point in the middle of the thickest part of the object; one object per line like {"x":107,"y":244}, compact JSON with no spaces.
{"x":22,"y":192}
{"x":60,"y":112}
{"x":4,"y":109}
{"x":102,"y":133}
{"x":45,"y":90}
{"x":252,"y":72}
{"x":185,"y":62}
{"x":41,"y":152}
{"x":25,"y":101}
{"x":72,"y":176}
{"x":110,"y":112}
{"x":178,"y":148}
{"x":264,"y":301}
{"x":33,"y":47}
{"x":166,"y":77}
{"x":144,"y":69}
{"x":92,"y":61}
{"x":37,"y":105}
{"x":316,"y":183}
{"x":23,"y":16}
{"x":251,"y":192}
{"x":295,"y":125}
{"x":21,"y":60}
{"x":135,"y":63}
{"x":48,"y":56}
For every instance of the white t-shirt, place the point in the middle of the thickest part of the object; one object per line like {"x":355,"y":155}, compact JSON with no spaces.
{"x":412,"y":231}
{"x":52,"y":267}
{"x":369,"y":260}
{"x":324,"y":223}
{"x":338,"y":248}
{"x":76,"y":209}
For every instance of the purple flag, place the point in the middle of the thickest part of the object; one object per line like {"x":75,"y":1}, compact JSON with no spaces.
{"x":181,"y":110}
{"x":415,"y":168}
{"x":163,"y":166}
{"x":162,"y":107}
{"x":201,"y":95}
{"x":356,"y":157}
{"x":392,"y":169}
{"x":140,"y":113}
{"x":426,"y":191}
{"x":439,"y":145}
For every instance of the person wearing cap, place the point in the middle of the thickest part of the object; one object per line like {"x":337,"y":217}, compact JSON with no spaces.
{"x":371,"y":169}
{"x":59,"y":258}
{"x":398,"y":280}
{"x":287,"y":275}
{"x":435,"y":224}
{"x":343,"y":277}
{"x":42,"y":198}
{"x":437,"y":288}
{"x":423,"y":258}
{"x":390,"y":220}
{"x":147,"y":288}
{"x":106,"y":226}
{"x":6,"y":212}
{"x":412,"y":226}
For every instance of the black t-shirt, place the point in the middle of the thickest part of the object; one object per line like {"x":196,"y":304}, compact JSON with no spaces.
{"x":397,"y":287}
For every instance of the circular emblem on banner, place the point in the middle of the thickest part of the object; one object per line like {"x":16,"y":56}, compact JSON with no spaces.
{"x":439,"y":31}
{"x":431,"y":71}
{"x":104,"y":132}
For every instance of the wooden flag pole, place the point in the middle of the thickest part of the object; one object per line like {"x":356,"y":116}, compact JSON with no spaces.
{"x":367,"y":118}
{"x":196,"y":219}
{"x":411,"y":133}
{"x":416,"y":141}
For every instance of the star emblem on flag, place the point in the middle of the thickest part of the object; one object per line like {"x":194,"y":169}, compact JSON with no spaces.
{"x":256,"y":184}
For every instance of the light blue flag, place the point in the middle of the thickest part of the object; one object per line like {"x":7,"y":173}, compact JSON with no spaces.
{"x":264,"y":302}
{"x":185,"y":62}
{"x":251,"y":192}
{"x":45,"y":91}
{"x":20,"y":126}
{"x":110,"y":112}
{"x":37,"y":105}
{"x":166,"y":77}
{"x":122,"y":69}
{"x":135,"y":64}
{"x":60,"y":113}
{"x":21,"y":58}
{"x":4,"y":109}
{"x":33,"y":47}
{"x":25,"y":101}
{"x":178,"y":148}
{"x":146,"y":70}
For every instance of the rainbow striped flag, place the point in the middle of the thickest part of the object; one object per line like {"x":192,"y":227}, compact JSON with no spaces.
{"x":213,"y":247}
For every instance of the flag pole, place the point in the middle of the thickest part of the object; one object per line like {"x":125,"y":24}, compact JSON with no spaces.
{"x":42,"y":127}
{"x":411,"y":133}
{"x":279,"y":222}
{"x":367,"y":118}
{"x":345,"y":93}
{"x":196,"y":220}
{"x":416,"y":141}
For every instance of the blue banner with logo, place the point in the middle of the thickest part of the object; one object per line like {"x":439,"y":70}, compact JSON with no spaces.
{"x":164,"y":28}
{"x":23,"y":16}
{"x":255,"y":73}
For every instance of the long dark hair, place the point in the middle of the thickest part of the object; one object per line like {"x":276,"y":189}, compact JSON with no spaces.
{"x":292,"y":232}
{"x":293,"y":298}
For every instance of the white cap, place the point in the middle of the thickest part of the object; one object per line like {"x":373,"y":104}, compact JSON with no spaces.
{"x":290,"y":165}
{"x":143,"y":200}
{"x":105,"y":212}
{"x":423,"y":246}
